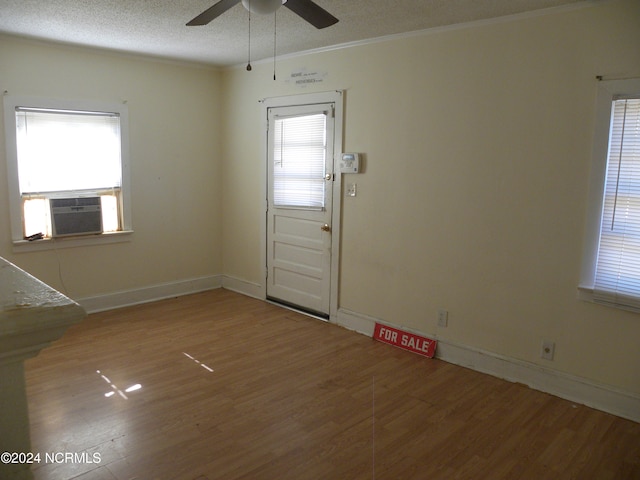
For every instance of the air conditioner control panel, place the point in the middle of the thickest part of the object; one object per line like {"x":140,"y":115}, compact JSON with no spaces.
{"x":350,"y":163}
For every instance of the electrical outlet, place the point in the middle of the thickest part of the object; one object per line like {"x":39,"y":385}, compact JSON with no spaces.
{"x":443,"y":318}
{"x":548,"y":349}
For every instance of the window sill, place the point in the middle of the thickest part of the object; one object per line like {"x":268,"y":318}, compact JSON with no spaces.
{"x":587,"y":294}
{"x":21,"y":246}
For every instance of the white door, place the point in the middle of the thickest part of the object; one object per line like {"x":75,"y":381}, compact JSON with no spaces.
{"x":300,"y":184}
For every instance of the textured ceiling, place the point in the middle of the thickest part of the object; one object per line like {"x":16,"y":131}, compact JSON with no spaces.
{"x":157,"y":27}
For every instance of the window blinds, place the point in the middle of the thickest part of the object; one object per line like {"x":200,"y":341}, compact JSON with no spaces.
{"x":617,"y":279}
{"x":299,"y":152}
{"x":67,"y":150}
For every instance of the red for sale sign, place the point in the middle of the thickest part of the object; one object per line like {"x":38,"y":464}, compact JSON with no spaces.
{"x":408,"y":341}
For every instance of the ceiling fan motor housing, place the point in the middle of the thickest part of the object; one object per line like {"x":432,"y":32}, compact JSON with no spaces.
{"x":262,"y":6}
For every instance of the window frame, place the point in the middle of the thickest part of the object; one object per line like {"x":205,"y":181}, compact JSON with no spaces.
{"x":11,"y":102}
{"x":608,"y":90}
{"x":320,"y":180}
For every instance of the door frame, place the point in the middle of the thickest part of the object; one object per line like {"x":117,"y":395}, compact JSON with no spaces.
{"x":336,"y":97}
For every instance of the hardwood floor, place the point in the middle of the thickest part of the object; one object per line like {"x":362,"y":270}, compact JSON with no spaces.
{"x":235,"y":388}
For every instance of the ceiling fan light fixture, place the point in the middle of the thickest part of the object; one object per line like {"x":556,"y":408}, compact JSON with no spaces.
{"x":262,"y":7}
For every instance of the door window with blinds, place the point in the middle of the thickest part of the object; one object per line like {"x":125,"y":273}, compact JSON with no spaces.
{"x":299,"y":155}
{"x":63,"y":155}
{"x":617,"y":266}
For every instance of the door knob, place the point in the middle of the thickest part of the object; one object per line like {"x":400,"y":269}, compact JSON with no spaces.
{"x":325,"y":228}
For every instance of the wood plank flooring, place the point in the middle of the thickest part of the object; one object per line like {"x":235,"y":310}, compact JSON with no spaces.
{"x":235,"y":388}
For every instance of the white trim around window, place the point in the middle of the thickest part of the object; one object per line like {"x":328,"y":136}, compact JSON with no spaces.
{"x":608,"y":91}
{"x":11,"y":103}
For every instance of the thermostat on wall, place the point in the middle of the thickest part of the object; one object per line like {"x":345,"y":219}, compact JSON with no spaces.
{"x":350,"y":163}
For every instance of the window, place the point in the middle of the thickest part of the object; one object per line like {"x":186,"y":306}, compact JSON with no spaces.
{"x":614,"y":273}
{"x":299,"y":151}
{"x":66,"y":150}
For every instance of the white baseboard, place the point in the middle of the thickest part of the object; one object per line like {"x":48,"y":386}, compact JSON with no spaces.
{"x":357,"y":322}
{"x":244,"y":287}
{"x":576,"y":389}
{"x":148,"y":294}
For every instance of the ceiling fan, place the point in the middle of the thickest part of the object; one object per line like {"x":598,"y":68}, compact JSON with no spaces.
{"x":307,"y":9}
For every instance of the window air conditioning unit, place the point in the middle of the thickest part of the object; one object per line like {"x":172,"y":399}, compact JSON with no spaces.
{"x":76,"y":216}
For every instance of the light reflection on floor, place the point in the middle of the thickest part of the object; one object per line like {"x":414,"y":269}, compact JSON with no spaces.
{"x":137,"y":386}
{"x":198,"y":362}
{"x":115,"y":390}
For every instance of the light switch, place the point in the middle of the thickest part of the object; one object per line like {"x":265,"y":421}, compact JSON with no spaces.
{"x":352,"y":190}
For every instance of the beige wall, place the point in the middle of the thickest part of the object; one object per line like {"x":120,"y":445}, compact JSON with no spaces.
{"x":175,"y":166}
{"x":478,"y":144}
